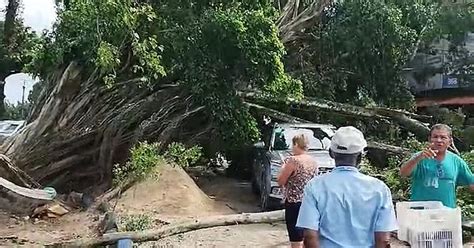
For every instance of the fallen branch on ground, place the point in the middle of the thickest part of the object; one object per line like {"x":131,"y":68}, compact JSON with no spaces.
{"x":151,"y":235}
{"x":20,"y":175}
{"x":21,"y":200}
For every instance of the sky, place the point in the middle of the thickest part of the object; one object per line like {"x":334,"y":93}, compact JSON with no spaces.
{"x":39,"y":15}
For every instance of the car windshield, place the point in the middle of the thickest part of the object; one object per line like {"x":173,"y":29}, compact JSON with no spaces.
{"x":319,"y":138}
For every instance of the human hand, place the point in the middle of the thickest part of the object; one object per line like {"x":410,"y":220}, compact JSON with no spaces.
{"x":428,"y":152}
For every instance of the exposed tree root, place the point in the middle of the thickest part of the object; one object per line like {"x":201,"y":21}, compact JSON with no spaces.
{"x":82,"y":128}
{"x":294,"y":21}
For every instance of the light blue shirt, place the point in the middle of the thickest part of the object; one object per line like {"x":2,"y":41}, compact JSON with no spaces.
{"x":347,"y":208}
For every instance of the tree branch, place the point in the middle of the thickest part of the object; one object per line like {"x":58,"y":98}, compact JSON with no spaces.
{"x":405,"y":119}
{"x":276,"y":115}
{"x":293,"y":28}
{"x":373,"y":147}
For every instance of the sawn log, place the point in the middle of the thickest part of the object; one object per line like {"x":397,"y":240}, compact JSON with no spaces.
{"x":150,"y":235}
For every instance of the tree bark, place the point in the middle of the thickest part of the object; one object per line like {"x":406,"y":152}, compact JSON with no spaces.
{"x":81,"y":128}
{"x":20,"y":200}
{"x":17,"y":176}
{"x":276,"y":115}
{"x":214,"y":221}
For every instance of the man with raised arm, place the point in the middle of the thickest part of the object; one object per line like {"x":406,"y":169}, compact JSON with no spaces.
{"x":437,"y":172}
{"x":345,"y":208}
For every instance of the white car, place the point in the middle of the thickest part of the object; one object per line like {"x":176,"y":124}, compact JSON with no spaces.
{"x":10,"y":127}
{"x":275,"y":146}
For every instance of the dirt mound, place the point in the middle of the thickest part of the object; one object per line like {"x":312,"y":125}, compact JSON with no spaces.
{"x":171,"y":193}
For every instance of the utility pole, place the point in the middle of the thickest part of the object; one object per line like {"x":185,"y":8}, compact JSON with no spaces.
{"x":23,"y":94}
{"x":23,"y":100}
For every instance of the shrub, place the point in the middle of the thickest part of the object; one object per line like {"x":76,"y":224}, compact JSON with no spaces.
{"x":132,"y":223}
{"x":144,"y":158}
{"x":465,"y":196}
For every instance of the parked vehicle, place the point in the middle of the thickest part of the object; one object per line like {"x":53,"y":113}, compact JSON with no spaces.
{"x":9,"y":128}
{"x":275,"y":146}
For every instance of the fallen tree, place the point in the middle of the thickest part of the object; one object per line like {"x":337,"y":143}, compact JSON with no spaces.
{"x":78,"y":135}
{"x":109,"y":88}
{"x":7,"y":168}
{"x":274,"y":114}
{"x":54,"y":147}
{"x":150,"y":235}
{"x":20,"y":200}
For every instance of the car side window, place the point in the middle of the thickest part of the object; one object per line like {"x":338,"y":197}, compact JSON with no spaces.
{"x":280,"y":140}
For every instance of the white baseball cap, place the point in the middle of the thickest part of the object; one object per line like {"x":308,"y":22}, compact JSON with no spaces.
{"x":348,"y":140}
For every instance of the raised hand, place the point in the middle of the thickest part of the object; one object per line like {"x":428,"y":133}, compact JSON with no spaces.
{"x":429,"y":152}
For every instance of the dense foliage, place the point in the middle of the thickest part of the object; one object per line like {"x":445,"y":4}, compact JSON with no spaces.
{"x":211,"y":49}
{"x":178,"y":154}
{"x":360,"y":48}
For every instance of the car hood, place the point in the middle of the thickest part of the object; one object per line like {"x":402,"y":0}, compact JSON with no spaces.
{"x":321,"y":156}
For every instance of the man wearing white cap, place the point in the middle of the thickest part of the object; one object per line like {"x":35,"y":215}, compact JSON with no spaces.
{"x":345,"y":208}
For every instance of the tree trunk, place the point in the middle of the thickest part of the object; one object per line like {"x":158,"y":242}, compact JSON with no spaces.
{"x":274,"y":114}
{"x":20,"y":200}
{"x":81,"y":128}
{"x":150,"y":235}
{"x":407,"y":120}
